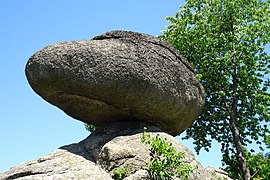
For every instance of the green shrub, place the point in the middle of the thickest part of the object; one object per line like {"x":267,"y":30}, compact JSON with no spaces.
{"x":90,"y":127}
{"x":119,"y":173}
{"x":165,"y":162}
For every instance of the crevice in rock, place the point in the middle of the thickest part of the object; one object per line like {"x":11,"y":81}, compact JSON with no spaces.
{"x":158,"y":42}
{"x":22,"y":174}
{"x":174,"y":53}
{"x":127,"y":113}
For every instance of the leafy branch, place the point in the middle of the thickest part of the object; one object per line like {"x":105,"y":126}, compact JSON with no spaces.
{"x":165,"y":162}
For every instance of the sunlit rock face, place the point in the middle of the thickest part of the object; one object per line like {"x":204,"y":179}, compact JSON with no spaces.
{"x":113,"y":146}
{"x":118,"y":76}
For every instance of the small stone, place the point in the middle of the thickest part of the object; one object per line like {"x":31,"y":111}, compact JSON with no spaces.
{"x":118,"y":76}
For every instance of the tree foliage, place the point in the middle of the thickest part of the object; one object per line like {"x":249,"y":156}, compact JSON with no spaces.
{"x":259,"y":164}
{"x":225,"y":42}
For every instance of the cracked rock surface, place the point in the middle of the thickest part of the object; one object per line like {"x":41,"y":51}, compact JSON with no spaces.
{"x":118,"y":76}
{"x":94,"y":158}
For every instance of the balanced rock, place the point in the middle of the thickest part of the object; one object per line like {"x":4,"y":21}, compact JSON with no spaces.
{"x":118,"y":76}
{"x":95,"y":158}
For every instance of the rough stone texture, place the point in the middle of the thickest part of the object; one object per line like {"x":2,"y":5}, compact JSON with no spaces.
{"x":94,"y":158}
{"x":58,"y":165}
{"x":118,"y":76}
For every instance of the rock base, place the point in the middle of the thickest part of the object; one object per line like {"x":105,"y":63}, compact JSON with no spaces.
{"x":94,"y":158}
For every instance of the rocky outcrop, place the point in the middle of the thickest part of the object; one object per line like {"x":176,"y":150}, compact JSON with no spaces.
{"x":95,"y":158}
{"x":122,"y":82}
{"x":118,"y":76}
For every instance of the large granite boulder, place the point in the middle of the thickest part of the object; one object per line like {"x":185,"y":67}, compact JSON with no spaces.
{"x":118,"y":76}
{"x":114,"y":146}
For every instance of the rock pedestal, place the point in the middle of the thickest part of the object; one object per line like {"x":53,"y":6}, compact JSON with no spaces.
{"x":118,"y":76}
{"x":117,"y":145}
{"x":121,"y":82}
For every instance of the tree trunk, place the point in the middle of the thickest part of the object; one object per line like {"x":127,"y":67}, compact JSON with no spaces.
{"x":243,"y":165}
{"x":239,"y":150}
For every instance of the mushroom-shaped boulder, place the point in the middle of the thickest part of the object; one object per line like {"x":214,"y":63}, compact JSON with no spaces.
{"x":118,"y":76}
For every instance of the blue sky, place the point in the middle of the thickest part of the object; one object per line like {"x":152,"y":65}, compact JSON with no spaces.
{"x":29,"y":126}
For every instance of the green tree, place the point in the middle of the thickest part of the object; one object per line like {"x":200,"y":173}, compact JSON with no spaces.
{"x":225,"y":42}
{"x":259,"y":165}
